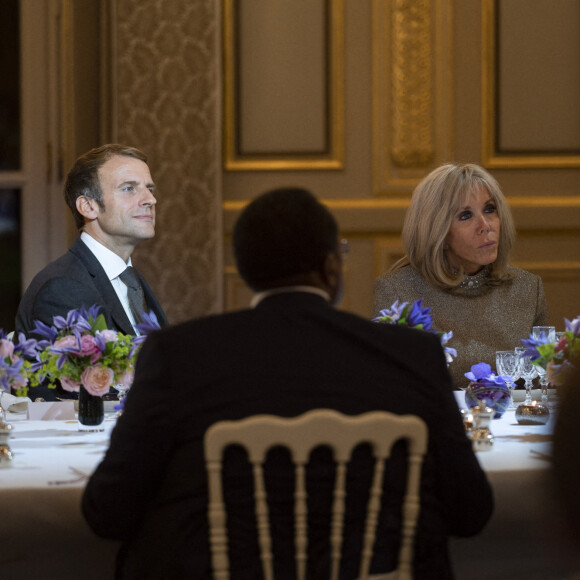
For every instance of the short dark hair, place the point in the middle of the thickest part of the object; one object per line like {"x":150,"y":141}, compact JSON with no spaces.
{"x":83,"y":178}
{"x":282,"y":233}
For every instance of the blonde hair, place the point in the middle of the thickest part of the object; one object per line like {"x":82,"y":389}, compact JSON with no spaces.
{"x":434,"y":203}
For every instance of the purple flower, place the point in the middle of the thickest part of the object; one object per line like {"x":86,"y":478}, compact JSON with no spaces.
{"x":26,"y":347}
{"x":149,"y":325}
{"x":482,"y":373}
{"x":10,"y":372}
{"x":419,"y":317}
{"x":61,"y":323}
{"x":573,"y":326}
{"x":531,"y":344}
{"x":479,"y":371}
{"x":120,"y":406}
{"x":392,"y":314}
{"x":450,"y":353}
{"x":48,"y":332}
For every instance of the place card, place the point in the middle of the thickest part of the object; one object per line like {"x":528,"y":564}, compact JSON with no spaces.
{"x":51,"y":411}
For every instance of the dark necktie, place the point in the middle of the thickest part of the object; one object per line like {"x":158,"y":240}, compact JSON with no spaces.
{"x":134,"y":293}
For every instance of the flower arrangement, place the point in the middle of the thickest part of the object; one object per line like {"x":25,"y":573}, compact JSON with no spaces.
{"x":557,"y":358}
{"x":79,"y":349}
{"x":18,"y":362}
{"x":414,"y":315}
{"x":488,"y":387}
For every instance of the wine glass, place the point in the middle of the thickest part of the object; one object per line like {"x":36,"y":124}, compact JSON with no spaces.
{"x":507,"y":363}
{"x":543,"y":333}
{"x":528,"y":371}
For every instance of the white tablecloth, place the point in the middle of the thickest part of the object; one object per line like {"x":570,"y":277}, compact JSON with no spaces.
{"x":43,"y":535}
{"x":523,"y":540}
{"x":42,"y":532}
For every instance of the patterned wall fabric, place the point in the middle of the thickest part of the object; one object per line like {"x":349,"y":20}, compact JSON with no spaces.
{"x":166,"y":70}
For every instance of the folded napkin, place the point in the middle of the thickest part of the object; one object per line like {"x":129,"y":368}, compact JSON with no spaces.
{"x":13,"y":404}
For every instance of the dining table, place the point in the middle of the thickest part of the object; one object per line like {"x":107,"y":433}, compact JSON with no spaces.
{"x":43,"y":534}
{"x":524,"y":540}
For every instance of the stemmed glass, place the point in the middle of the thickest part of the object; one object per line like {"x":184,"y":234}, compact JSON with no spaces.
{"x":549,"y":333}
{"x":507,"y":362}
{"x":528,"y":371}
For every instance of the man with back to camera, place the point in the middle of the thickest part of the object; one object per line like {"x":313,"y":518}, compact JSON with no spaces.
{"x":112,"y":197}
{"x":291,"y":352}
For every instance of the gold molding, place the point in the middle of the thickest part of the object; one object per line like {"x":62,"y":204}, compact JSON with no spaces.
{"x":334,"y":159}
{"x":528,"y":201}
{"x":490,"y":156}
{"x":412,"y":84}
{"x":563,"y":270}
{"x":412,"y":91}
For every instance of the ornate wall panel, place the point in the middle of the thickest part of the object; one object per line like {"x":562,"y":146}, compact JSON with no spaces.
{"x":166,"y":89}
{"x":531,"y":83}
{"x":412,"y":91}
{"x":283,"y":84}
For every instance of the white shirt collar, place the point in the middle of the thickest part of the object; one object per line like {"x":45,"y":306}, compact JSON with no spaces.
{"x":112,"y":263}
{"x":259,"y":296}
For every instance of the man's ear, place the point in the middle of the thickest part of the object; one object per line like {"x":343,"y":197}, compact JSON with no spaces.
{"x":331,"y":273}
{"x":87,"y":207}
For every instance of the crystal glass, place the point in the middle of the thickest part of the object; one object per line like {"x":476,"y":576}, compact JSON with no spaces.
{"x":549,"y":333}
{"x":507,"y":362}
{"x":528,"y":371}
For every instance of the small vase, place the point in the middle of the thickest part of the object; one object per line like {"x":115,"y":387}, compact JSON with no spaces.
{"x":495,"y":396}
{"x":91,"y":411}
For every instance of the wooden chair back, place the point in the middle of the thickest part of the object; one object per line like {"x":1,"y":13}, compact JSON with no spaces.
{"x":342,"y":433}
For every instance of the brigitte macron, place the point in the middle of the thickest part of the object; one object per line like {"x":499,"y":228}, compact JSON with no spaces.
{"x":457,"y":234}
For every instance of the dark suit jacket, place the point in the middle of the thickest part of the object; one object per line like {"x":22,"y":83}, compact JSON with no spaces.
{"x":76,"y":279}
{"x":292,"y":353}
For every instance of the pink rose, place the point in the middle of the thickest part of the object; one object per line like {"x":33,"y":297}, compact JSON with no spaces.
{"x":6,"y":348}
{"x":97,"y":380}
{"x":70,"y":385}
{"x":67,"y":341}
{"x":18,"y":383}
{"x":108,"y":335}
{"x":88,"y":345}
{"x":127,"y":377}
{"x":559,"y":374}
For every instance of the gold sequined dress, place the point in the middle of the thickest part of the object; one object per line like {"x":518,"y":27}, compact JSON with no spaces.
{"x":483,"y":318}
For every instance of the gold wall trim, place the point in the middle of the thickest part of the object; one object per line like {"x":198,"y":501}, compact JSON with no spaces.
{"x":491,"y":157}
{"x":564,"y":270}
{"x":561,"y":201}
{"x":333,"y":158}
{"x":412,"y":84}
{"x":354,"y":204}
{"x":412,"y":91}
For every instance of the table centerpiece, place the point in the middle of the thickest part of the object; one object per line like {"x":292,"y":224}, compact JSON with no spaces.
{"x":414,"y":315}
{"x":488,"y":387}
{"x":558,"y":357}
{"x":86,"y":357}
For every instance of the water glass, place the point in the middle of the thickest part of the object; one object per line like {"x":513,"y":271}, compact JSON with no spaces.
{"x":544,"y":333}
{"x":528,"y":371}
{"x":507,"y":363}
